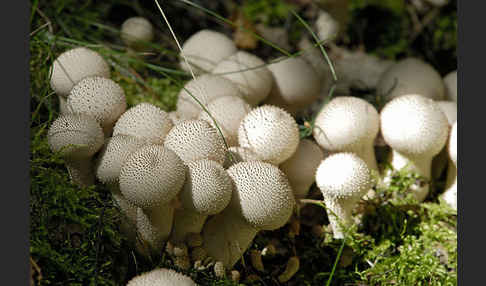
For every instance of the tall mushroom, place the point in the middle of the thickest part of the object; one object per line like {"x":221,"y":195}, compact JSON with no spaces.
{"x":161,"y":277}
{"x":450,"y":194}
{"x":343,"y":179}
{"x":77,"y":137}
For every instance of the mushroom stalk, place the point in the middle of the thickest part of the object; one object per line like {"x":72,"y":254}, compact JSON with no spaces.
{"x":185,"y":222}
{"x":340,"y":214}
{"x":162,"y":218}
{"x":81,"y":171}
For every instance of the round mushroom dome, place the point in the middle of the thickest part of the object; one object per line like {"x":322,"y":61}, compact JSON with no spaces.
{"x":194,"y":140}
{"x":327,"y":27}
{"x":450,"y":81}
{"x":205,"y":49}
{"x":144,"y":121}
{"x":261,"y":194}
{"x":161,"y":277}
{"x":250,"y":75}
{"x":99,"y":97}
{"x":270,"y":132}
{"x":136,"y":29}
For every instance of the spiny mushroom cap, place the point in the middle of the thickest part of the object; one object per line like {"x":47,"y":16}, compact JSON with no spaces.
{"x":162,"y":277}
{"x":205,"y":49}
{"x":136,"y":29}
{"x":239,"y":154}
{"x":254,"y":83}
{"x":301,"y":167}
{"x":296,"y":83}
{"x":326,"y":26}
{"x":75,"y":135}
{"x":144,"y":121}
{"x":261,"y":194}
{"x":346,"y":123}
{"x":194,"y":140}
{"x":152,"y":176}
{"x":74,"y":65}
{"x":99,"y":97}
{"x":207,"y":189}
{"x":450,"y":110}
{"x":413,"y":76}
{"x":453,"y":144}
{"x":205,"y":88}
{"x":115,"y":152}
{"x":450,"y":81}
{"x":414,"y":126}
{"x":343,"y":176}
{"x":270,"y":132}
{"x":228,"y":111}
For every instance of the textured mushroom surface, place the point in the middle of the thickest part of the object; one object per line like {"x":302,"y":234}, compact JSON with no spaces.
{"x":136,"y":29}
{"x":71,"y":67}
{"x":239,"y":154}
{"x":194,"y":140}
{"x":205,"y":49}
{"x":450,"y":81}
{"x":161,"y":277}
{"x":301,"y":167}
{"x":205,"y":88}
{"x":144,"y":121}
{"x":296,"y":84}
{"x":228,"y":111}
{"x":99,"y":97}
{"x":241,"y":69}
{"x":411,"y":76}
{"x":348,"y":124}
{"x":270,"y":132}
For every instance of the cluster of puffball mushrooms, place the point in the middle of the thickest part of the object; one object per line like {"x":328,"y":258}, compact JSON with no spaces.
{"x":202,"y":198}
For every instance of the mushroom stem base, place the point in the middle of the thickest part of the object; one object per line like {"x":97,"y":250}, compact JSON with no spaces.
{"x":339,"y":213}
{"x":185,"y":222}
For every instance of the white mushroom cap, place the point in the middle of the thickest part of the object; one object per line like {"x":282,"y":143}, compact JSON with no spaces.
{"x":99,"y":97}
{"x":239,"y":154}
{"x":450,"y":110}
{"x":194,"y":140}
{"x":228,"y":111}
{"x":262,"y":194}
{"x":74,"y":65}
{"x":327,"y":27}
{"x":301,"y":167}
{"x":254,"y":83}
{"x":413,"y":76}
{"x":270,"y":132}
{"x":162,"y":277}
{"x":348,"y":124}
{"x":144,"y":121}
{"x":207,"y":189}
{"x":296,"y":84}
{"x":136,"y":29}
{"x":115,"y":152}
{"x":450,"y":81}
{"x":205,"y":49}
{"x":205,"y":88}
{"x":152,"y":176}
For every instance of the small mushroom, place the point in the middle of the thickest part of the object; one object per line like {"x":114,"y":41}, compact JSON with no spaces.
{"x":205,"y":49}
{"x":450,"y":194}
{"x":99,"y":97}
{"x":161,"y":276}
{"x":450,"y":81}
{"x":135,"y":31}
{"x":270,"y":132}
{"x":343,"y":179}
{"x":78,"y":137}
{"x":71,"y":67}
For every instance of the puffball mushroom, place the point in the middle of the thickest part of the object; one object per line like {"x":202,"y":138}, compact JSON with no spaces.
{"x":194,"y":140}
{"x":205,"y":49}
{"x":205,"y":88}
{"x":296,"y":84}
{"x":270,"y":132}
{"x":144,"y":121}
{"x":228,"y":111}
{"x":450,"y":110}
{"x":440,"y":162}
{"x":301,"y":167}
{"x":327,"y":27}
{"x":416,"y":129}
{"x":343,"y":179}
{"x":241,"y":69}
{"x":450,"y":195}
{"x":207,"y":191}
{"x":239,"y":154}
{"x":450,"y":81}
{"x":348,"y":124}
{"x":161,"y":277}
{"x":262,"y":199}
{"x":99,"y":97}
{"x":412,"y":76}
{"x":151,"y":178}
{"x":72,"y":66}
{"x":135,"y":31}
{"x":78,"y":137}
